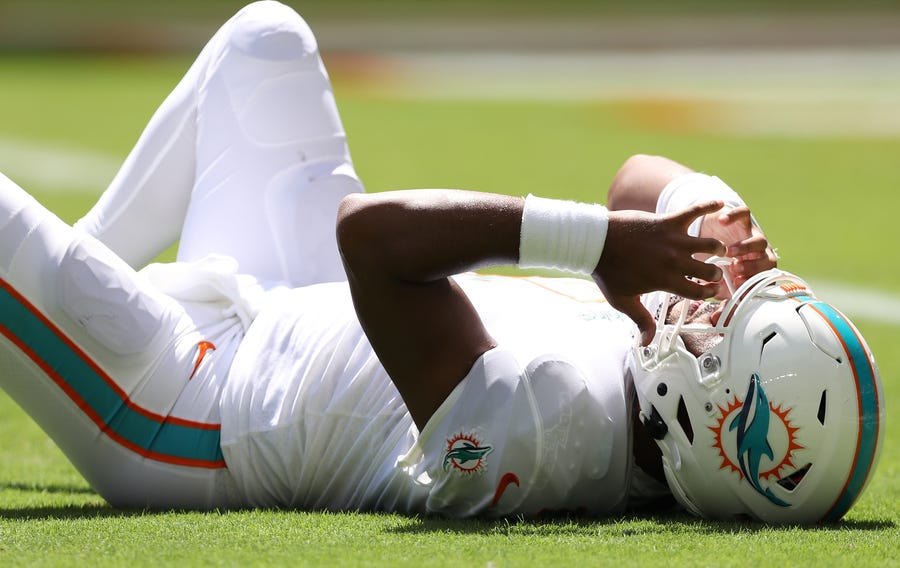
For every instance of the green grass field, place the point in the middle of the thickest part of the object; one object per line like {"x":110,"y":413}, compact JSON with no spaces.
{"x":825,"y":202}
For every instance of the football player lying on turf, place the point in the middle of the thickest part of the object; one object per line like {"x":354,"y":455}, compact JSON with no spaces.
{"x":250,"y":373}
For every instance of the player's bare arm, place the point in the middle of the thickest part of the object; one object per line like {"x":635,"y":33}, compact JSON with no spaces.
{"x":400,"y":249}
{"x":640,"y":180}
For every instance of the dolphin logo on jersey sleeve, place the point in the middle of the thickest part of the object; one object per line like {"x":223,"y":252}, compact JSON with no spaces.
{"x":465,"y":453}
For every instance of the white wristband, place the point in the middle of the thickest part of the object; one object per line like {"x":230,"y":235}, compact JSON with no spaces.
{"x":692,"y":188}
{"x":563,"y":235}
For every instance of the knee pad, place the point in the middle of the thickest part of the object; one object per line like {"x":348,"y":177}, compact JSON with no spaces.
{"x":268,"y":81}
{"x":271,"y":30}
{"x":302,"y":215}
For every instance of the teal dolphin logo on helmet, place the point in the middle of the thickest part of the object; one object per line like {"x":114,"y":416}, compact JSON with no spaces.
{"x":752,"y":424}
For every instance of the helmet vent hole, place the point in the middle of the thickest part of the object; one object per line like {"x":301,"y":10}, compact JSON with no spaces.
{"x":790,"y":482}
{"x":821,"y":414}
{"x":684,"y":420}
{"x":767,"y":339}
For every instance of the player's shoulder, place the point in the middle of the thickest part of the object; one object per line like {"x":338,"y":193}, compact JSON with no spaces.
{"x":504,"y":362}
{"x":543,"y":383}
{"x":500,"y":374}
{"x":554,"y":369}
{"x":536,"y":424}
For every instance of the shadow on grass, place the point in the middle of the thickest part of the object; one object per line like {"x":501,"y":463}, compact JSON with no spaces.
{"x":619,"y":526}
{"x":622,"y":526}
{"x":69,"y":512}
{"x":635,"y":525}
{"x":46,"y":488}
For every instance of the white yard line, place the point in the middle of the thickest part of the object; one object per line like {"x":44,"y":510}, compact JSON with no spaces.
{"x":56,"y":168}
{"x":816,"y":92}
{"x":757,"y":75}
{"x":877,"y":306}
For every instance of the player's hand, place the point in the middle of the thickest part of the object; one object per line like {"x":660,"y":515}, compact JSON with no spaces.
{"x":645,"y":252}
{"x":744,"y":241}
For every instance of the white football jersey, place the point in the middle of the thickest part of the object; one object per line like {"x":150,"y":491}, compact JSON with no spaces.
{"x":540,"y":424}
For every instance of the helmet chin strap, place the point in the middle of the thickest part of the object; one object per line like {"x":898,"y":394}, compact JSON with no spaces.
{"x":654,"y":424}
{"x":657,"y":429}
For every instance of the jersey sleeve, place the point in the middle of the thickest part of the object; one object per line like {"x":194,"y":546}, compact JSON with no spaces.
{"x":516,"y":440}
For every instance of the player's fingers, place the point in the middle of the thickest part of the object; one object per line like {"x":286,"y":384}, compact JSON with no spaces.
{"x":705,"y":245}
{"x":705,"y":271}
{"x":756,"y":244}
{"x":740,"y":214}
{"x":688,"y":215}
{"x":632,"y":307}
{"x":749,"y":267}
{"x":692,"y":289}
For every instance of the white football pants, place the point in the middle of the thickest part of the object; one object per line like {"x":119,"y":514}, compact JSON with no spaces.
{"x":246,"y":158}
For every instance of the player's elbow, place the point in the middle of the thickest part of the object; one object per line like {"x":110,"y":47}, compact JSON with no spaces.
{"x":357,"y":233}
{"x":349,"y":223}
{"x":627,"y":181}
{"x":640,"y":180}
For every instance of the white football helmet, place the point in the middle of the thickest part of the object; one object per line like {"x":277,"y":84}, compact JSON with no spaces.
{"x":781,"y":421}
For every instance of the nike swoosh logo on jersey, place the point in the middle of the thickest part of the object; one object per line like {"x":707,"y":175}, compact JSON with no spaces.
{"x":203,"y":348}
{"x":505,"y":481}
